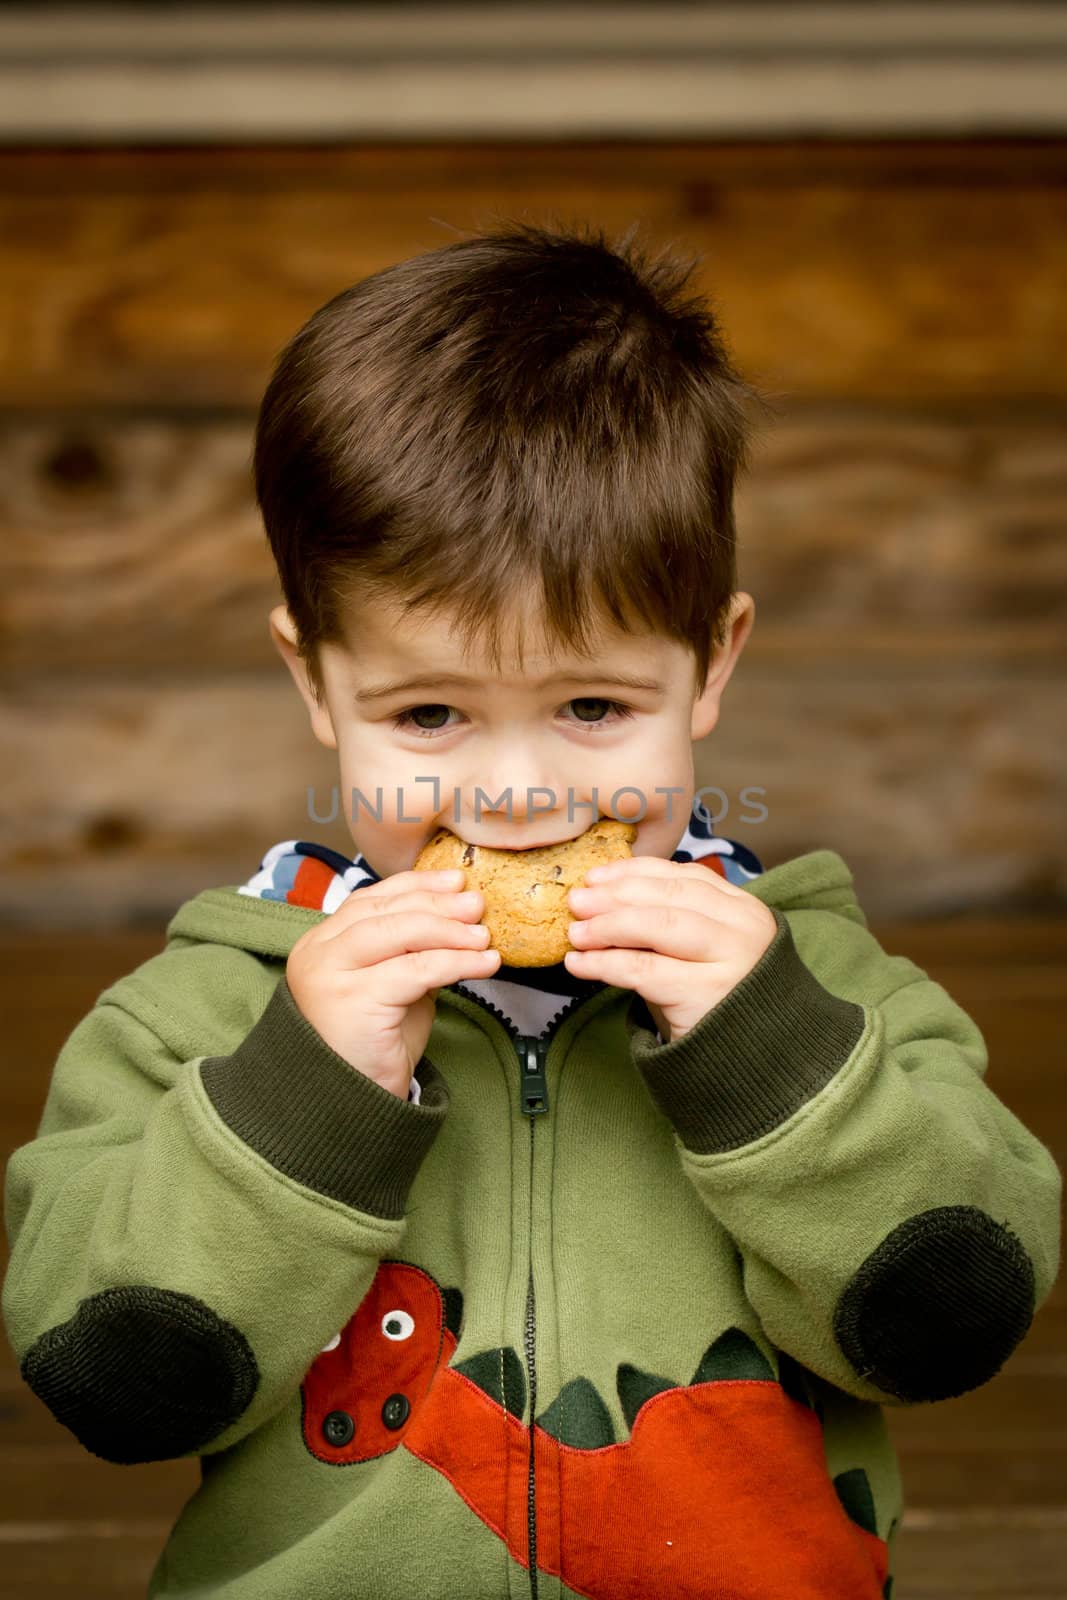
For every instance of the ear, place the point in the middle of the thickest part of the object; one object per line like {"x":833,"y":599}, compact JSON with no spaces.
{"x":706,"y":706}
{"x":284,"y":638}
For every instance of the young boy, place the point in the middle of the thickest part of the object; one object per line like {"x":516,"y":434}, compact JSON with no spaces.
{"x":470,"y":1282}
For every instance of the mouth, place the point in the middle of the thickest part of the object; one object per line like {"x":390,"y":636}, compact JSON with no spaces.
{"x":534,"y":844}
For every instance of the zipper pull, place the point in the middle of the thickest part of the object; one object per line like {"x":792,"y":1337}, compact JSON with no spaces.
{"x":533,"y":1090}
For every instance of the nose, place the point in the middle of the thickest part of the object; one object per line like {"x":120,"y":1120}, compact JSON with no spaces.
{"x":525,"y":818}
{"x":523,"y":810}
{"x":520,"y":790}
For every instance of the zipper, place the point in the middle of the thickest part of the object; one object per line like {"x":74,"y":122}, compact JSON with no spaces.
{"x":545,"y":1037}
{"x":532,"y":1052}
{"x":531,"y":1335}
{"x":533,"y":1088}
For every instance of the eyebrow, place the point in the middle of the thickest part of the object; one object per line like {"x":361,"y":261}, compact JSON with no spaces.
{"x":621,"y":680}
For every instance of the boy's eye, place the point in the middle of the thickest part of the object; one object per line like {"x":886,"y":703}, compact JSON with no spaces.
{"x":405,"y":720}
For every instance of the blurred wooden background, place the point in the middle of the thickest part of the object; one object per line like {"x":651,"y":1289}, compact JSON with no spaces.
{"x":902,"y":528}
{"x":902,"y":531}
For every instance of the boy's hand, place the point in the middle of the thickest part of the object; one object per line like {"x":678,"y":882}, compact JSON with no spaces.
{"x":367,"y":976}
{"x":675,"y":932}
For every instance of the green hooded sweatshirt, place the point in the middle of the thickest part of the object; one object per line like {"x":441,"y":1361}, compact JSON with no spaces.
{"x":596,"y":1316}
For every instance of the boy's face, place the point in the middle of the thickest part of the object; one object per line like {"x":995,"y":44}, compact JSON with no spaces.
{"x":548,"y":756}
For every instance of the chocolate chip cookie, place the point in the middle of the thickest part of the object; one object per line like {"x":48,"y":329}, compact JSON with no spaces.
{"x":526,"y":909}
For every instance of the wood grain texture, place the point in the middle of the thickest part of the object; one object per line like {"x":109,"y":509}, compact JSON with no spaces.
{"x":902,"y":305}
{"x":160,"y":277}
{"x":530,"y":70}
{"x":900,"y":700}
{"x":135,"y":543}
{"x":125,"y":797}
{"x":894,"y":700}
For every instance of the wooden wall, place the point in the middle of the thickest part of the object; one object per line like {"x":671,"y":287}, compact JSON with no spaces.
{"x":901,"y":698}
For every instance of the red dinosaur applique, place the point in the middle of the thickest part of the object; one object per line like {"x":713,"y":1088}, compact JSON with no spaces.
{"x":720,"y":1489}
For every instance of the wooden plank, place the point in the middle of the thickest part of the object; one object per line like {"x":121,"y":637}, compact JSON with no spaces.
{"x":45,"y":1482}
{"x":980,"y":1551}
{"x":1006,"y":972}
{"x":132,"y":544}
{"x":747,"y":96}
{"x":1001,"y":1445}
{"x":135,"y":543}
{"x":75,"y":1560}
{"x":997,"y":1448}
{"x":987,"y":1556}
{"x":519,"y":70}
{"x":942,"y":796}
{"x":865,"y":533}
{"x":42,"y":1482}
{"x":367,"y":163}
{"x":1010,"y":974}
{"x":1003,"y":949}
{"x":459,"y":31}
{"x":168,"y":289}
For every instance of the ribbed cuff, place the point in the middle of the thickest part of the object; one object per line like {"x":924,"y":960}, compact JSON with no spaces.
{"x":756,"y":1057}
{"x":302,"y":1107}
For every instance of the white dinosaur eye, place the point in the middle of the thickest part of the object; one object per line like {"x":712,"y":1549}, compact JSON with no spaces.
{"x":398,"y":1325}
{"x":334,"y":1342}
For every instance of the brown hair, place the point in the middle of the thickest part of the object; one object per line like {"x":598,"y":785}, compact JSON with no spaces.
{"x":528,"y":407}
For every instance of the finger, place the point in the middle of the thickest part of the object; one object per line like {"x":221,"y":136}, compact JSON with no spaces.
{"x":467,"y":905}
{"x":455,"y":903}
{"x":656,"y":976}
{"x":404,"y":979}
{"x":400,"y":883}
{"x":647,"y":889}
{"x":379,"y":937}
{"x":638,"y":868}
{"x":673,"y":931}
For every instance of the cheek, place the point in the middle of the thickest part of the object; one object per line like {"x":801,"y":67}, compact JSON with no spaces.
{"x":402,"y":790}
{"x":643,"y":770}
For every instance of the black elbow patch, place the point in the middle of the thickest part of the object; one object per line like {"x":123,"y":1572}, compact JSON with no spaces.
{"x":939,"y":1307}
{"x":143,"y":1374}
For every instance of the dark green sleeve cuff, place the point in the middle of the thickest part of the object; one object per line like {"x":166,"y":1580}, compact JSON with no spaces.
{"x":314,"y":1117}
{"x":756,"y":1057}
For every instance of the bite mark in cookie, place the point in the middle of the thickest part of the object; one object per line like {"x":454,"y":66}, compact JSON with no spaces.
{"x":526,"y":909}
